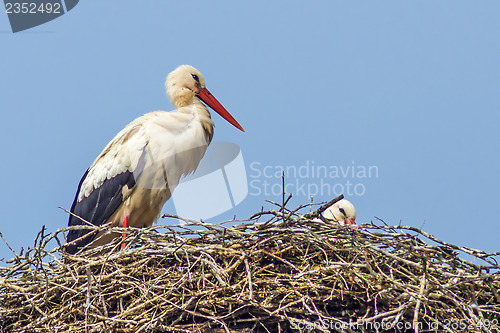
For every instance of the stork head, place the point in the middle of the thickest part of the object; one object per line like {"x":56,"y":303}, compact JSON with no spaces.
{"x":183,"y":84}
{"x":342,"y":211}
{"x":186,"y":84}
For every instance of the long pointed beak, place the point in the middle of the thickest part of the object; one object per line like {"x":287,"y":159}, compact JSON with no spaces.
{"x":211,"y":101}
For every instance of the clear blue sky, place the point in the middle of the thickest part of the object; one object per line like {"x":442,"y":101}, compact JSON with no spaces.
{"x":409,"y":88}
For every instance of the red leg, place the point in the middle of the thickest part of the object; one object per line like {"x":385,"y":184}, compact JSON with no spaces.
{"x":124,"y":233}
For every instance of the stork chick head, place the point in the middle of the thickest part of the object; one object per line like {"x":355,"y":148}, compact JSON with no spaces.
{"x":183,"y":84}
{"x":342,"y":211}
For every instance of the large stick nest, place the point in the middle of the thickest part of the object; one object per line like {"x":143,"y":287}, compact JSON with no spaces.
{"x":280,"y":271}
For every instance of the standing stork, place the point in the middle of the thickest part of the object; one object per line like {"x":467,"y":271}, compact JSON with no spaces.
{"x":136,"y":173}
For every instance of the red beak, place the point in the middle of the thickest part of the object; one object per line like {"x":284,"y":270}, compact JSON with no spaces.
{"x":350,"y":221}
{"x":211,"y":101}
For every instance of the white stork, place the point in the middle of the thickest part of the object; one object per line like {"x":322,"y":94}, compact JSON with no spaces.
{"x":342,"y":212}
{"x":136,"y":173}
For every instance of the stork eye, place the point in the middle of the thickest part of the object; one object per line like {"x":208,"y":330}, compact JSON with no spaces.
{"x":196,"y":78}
{"x":343,"y":211}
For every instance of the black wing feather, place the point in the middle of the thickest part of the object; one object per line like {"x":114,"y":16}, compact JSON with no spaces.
{"x":97,"y":208}
{"x":100,"y":205}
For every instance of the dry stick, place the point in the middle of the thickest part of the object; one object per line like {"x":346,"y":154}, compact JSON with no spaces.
{"x":473,"y":252}
{"x":88,"y":302}
{"x":379,"y":269}
{"x":283,"y":194}
{"x":6,"y":243}
{"x":249,"y":274}
{"x":283,"y":201}
{"x":423,"y":280}
{"x":324,"y":207}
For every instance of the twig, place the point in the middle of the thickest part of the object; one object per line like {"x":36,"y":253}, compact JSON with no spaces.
{"x":249,"y":274}
{"x":282,"y":274}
